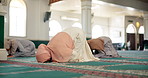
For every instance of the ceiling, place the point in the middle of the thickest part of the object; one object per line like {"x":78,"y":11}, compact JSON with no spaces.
{"x":146,"y":1}
{"x":100,"y":8}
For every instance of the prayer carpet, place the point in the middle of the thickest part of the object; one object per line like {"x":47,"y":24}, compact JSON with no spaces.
{"x":132,"y":64}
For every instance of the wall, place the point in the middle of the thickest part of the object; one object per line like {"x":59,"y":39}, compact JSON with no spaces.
{"x":103,"y":22}
{"x":56,"y":15}
{"x":146,"y":26}
{"x":36,"y":28}
{"x":116,"y":29}
{"x":112,"y":27}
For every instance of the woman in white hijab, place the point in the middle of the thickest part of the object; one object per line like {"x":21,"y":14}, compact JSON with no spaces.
{"x":82,"y":51}
{"x":70,"y":45}
{"x":20,"y":47}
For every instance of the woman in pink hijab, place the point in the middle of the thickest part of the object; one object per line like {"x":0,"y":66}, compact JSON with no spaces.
{"x":70,"y":45}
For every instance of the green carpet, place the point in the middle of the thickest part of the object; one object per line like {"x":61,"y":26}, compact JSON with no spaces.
{"x":30,"y":72}
{"x":132,"y":64}
{"x":94,"y":63}
{"x":128,"y":67}
{"x":139,"y":60}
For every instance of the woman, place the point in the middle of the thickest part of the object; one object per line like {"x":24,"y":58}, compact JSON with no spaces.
{"x":103,"y":46}
{"x":70,"y":45}
{"x":20,"y":47}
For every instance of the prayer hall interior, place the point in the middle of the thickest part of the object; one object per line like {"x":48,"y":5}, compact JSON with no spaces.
{"x":125,"y":22}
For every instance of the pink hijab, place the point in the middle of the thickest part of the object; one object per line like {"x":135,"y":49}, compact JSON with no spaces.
{"x":59,"y":49}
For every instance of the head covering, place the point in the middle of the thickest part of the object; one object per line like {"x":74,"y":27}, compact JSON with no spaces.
{"x":68,"y":45}
{"x":43,"y":53}
{"x":8,"y":43}
{"x":96,"y":44}
{"x":108,"y":47}
{"x":81,"y":52}
{"x":61,"y":45}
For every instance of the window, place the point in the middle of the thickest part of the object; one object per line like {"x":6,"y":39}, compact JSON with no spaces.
{"x":55,"y":27}
{"x":97,"y":31}
{"x":130,"y":29}
{"x":17,"y":16}
{"x":77,"y":25}
{"x":141,"y":30}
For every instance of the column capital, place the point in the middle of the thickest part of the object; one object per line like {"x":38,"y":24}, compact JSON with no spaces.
{"x":85,"y":0}
{"x":86,"y":4}
{"x":145,"y":15}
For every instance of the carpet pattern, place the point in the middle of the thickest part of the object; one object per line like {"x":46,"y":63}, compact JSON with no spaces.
{"x":133,"y":64}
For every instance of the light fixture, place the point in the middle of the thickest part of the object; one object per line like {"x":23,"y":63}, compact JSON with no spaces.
{"x":69,"y":18}
{"x":130,"y":8}
{"x":98,"y":2}
{"x":137,"y":24}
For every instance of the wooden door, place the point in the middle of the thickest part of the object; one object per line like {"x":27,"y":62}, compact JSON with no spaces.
{"x":1,"y":31}
{"x":141,"y":39}
{"x":131,"y":38}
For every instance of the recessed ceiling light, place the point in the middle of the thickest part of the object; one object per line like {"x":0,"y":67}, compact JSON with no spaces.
{"x":130,"y":8}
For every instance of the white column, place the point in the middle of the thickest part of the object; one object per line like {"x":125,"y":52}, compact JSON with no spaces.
{"x":146,"y":26}
{"x":86,"y":17}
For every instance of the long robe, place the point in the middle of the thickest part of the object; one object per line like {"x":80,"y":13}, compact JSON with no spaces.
{"x":20,"y":47}
{"x":104,"y":46}
{"x":59,"y":49}
{"x":82,"y":51}
{"x":67,"y":46}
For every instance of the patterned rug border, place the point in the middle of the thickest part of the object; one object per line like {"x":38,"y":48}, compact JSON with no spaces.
{"x":65,"y":69}
{"x":125,"y":62}
{"x":136,"y":57}
{"x":115,"y":61}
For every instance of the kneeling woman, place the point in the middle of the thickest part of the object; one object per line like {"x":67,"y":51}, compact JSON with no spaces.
{"x":103,"y":47}
{"x":69,"y":45}
{"x":20,"y":47}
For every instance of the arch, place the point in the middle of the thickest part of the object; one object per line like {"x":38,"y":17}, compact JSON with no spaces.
{"x":17,"y":15}
{"x":97,"y":31}
{"x":77,"y":24}
{"x":55,"y":27}
{"x":141,"y":30}
{"x":131,"y":28}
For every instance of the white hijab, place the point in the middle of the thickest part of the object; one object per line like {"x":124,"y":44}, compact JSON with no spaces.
{"x":81,"y":51}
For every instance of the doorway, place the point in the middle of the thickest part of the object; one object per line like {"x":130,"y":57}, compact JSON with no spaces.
{"x":131,"y":36}
{"x":1,"y":31}
{"x":141,"y":41}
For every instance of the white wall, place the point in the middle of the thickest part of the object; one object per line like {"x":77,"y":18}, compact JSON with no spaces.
{"x":103,"y":23}
{"x":36,"y":28}
{"x":56,"y":15}
{"x":146,"y":26}
{"x":117,"y":29}
{"x":112,"y":27}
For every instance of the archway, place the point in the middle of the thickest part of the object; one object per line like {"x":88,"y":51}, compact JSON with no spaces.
{"x":131,"y":37}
